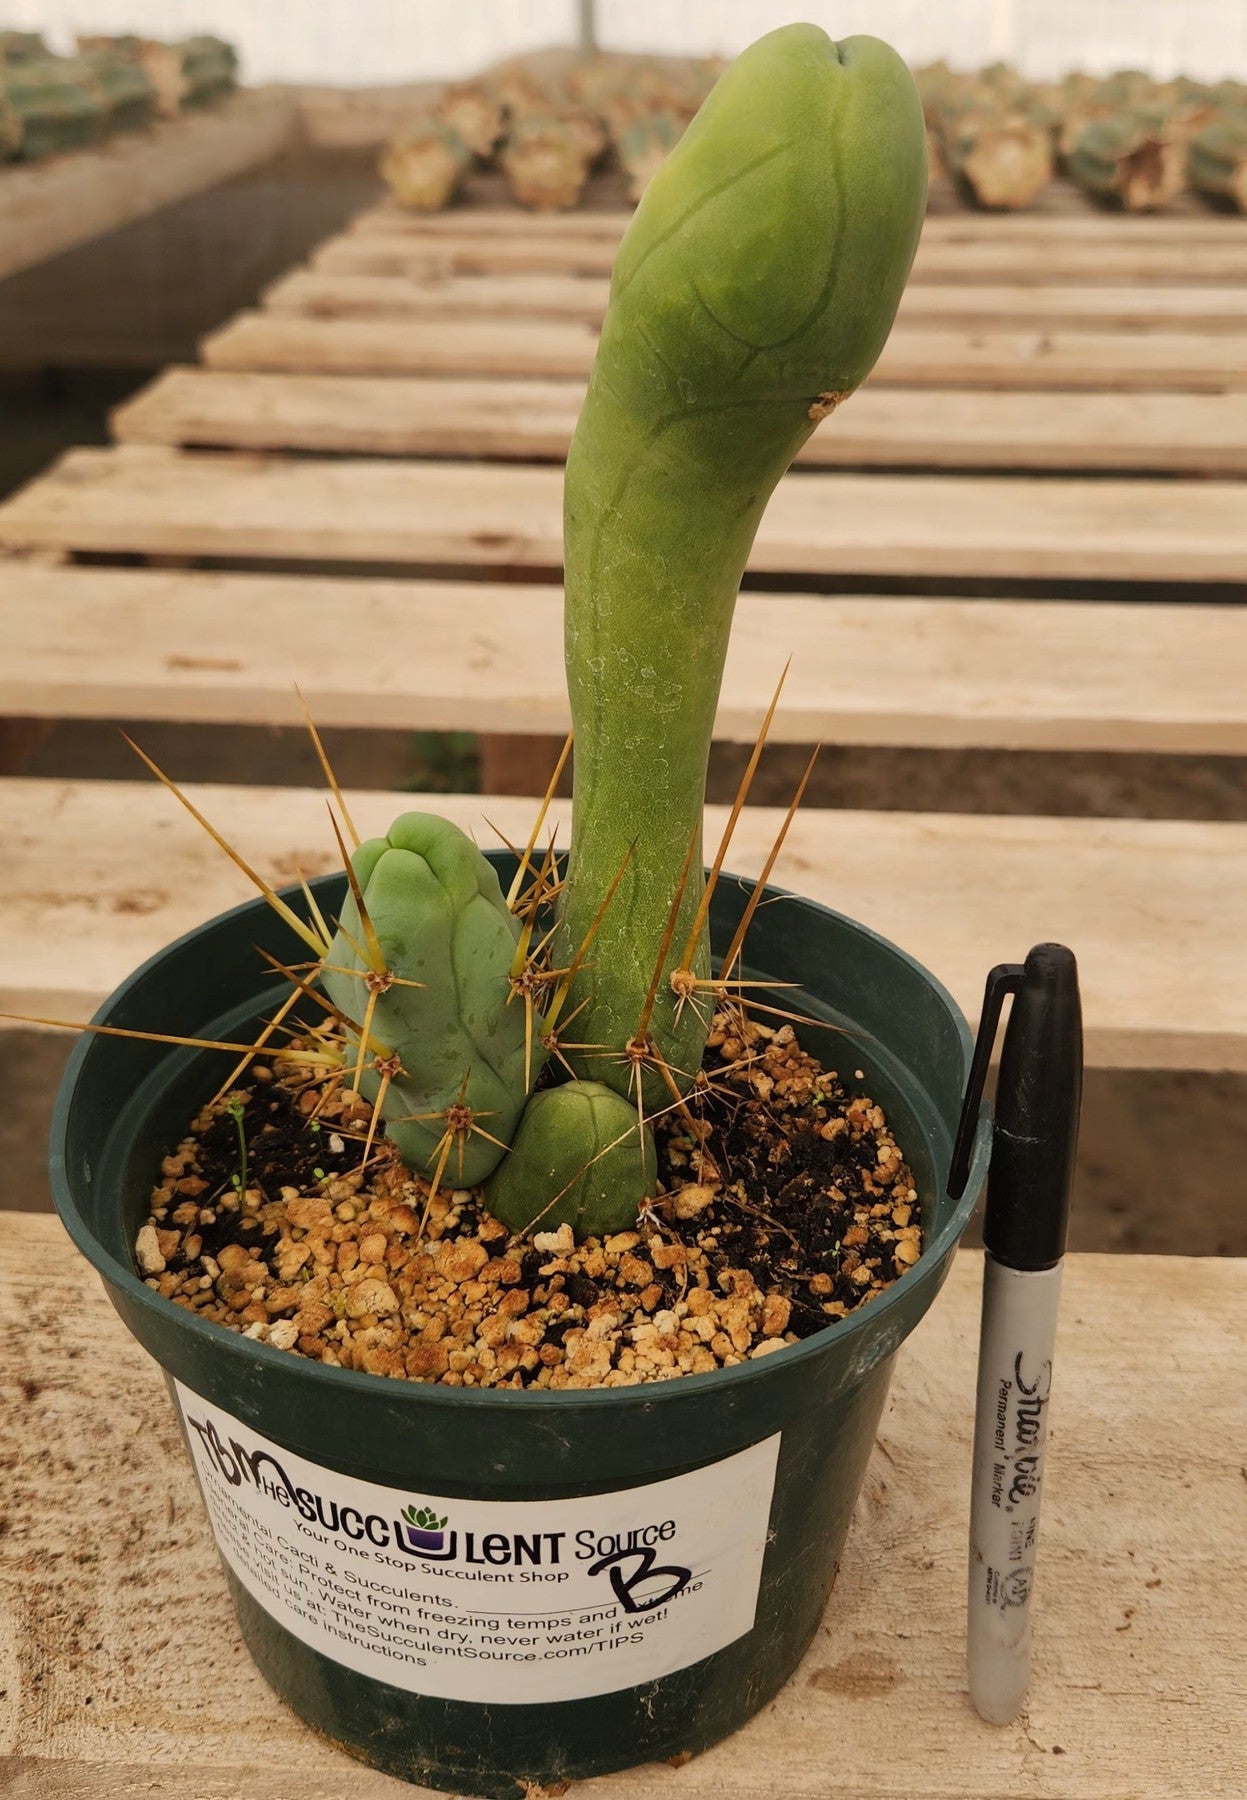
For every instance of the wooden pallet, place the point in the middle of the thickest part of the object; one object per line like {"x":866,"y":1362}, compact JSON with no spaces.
{"x":226,"y":645}
{"x":49,"y":207}
{"x":1135,"y":1564}
{"x":961,"y":892}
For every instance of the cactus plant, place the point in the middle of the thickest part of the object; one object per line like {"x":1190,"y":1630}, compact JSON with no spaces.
{"x":189,"y":73}
{"x":753,"y":291}
{"x":125,"y":86}
{"x":1126,"y":160}
{"x":474,"y":114}
{"x":424,"y":165}
{"x":56,"y":106}
{"x":1004,"y":160}
{"x":1217,"y":160}
{"x":546,"y":162}
{"x":644,"y":145}
{"x":798,"y":192}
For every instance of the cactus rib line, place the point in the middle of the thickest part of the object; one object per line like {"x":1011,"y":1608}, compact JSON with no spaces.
{"x":816,"y":309}
{"x":677,"y":225}
{"x":482,"y":1049}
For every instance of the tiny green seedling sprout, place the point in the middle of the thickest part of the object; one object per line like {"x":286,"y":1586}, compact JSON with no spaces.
{"x":238,"y":1113}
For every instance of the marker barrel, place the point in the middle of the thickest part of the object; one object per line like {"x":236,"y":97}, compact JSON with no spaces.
{"x":1011,"y":1429}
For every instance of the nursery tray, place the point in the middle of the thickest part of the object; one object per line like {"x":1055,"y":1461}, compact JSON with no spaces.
{"x":124,"y":1672}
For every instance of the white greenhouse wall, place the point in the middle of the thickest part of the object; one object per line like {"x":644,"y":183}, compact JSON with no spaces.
{"x":359,"y":42}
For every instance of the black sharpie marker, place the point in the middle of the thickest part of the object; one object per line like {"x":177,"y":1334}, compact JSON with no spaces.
{"x":1038,"y":1095}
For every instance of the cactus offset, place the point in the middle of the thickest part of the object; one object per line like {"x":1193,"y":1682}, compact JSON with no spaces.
{"x":580,"y":1157}
{"x":436,"y":915}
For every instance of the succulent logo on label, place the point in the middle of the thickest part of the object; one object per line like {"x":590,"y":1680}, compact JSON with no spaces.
{"x":423,"y":1529}
{"x":628,"y":1558}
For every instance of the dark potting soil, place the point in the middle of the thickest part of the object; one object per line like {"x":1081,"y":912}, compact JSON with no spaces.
{"x":782,"y":1204}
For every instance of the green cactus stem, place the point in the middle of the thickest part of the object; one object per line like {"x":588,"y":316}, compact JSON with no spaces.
{"x":753,"y":290}
{"x":460,"y":1036}
{"x":581,"y":1158}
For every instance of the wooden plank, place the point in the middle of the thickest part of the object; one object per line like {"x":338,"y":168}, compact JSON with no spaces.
{"x":412,"y":415}
{"x":318,"y":295}
{"x":566,"y":347}
{"x":376,"y":415}
{"x":1104,"y":259}
{"x":387,"y":219}
{"x":314,"y":294}
{"x":434,"y":347}
{"x":95,"y":1435}
{"x":1154,"y":908}
{"x":113,"y":643}
{"x":158,"y":502}
{"x":49,"y":207}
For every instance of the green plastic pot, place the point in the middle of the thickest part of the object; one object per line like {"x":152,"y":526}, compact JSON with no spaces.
{"x":122,"y":1104}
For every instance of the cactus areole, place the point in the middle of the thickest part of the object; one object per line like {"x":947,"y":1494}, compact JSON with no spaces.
{"x":753,"y":290}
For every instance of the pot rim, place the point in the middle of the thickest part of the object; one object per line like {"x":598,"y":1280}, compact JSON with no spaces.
{"x":927,"y":1270}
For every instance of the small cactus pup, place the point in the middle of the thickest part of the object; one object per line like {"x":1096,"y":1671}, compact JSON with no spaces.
{"x":581,"y":1157}
{"x":753,"y":290}
{"x":425,"y":973}
{"x":424,"y":165}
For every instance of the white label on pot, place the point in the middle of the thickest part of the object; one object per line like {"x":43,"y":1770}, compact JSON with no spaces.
{"x":488,"y":1600}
